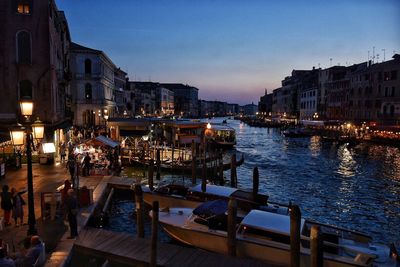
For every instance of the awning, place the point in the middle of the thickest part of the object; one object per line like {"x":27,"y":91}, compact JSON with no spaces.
{"x":133,"y":133}
{"x":104,"y":140}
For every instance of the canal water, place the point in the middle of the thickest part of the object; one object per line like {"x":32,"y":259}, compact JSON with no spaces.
{"x":353,"y":187}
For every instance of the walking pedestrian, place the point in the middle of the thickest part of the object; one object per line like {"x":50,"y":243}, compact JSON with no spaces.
{"x":6,"y":204}
{"x":18,"y":203}
{"x":86,"y":164}
{"x":71,"y":205}
{"x":63,"y":152}
{"x":71,"y":164}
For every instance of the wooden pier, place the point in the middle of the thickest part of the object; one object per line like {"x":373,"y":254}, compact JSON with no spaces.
{"x":126,"y":250}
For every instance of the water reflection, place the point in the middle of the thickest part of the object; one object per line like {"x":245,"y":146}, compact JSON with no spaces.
{"x":347,"y":164}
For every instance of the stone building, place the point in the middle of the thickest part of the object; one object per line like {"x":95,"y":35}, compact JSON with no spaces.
{"x":265,"y":104}
{"x":185,"y":98}
{"x":374,"y":94}
{"x":120,"y":92}
{"x":92,"y":86}
{"x":34,"y":45}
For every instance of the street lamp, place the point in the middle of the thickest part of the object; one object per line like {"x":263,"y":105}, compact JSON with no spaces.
{"x":17,"y":137}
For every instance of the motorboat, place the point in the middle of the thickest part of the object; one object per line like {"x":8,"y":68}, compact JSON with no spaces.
{"x":174,"y":195}
{"x":265,"y":236}
{"x":221,"y":135}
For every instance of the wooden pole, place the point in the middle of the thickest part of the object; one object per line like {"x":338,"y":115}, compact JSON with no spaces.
{"x":139,"y":210}
{"x":154,"y":234}
{"x":295,"y":222}
{"x":204,"y":176}
{"x":233,"y":171}
{"x":232,"y":212}
{"x":316,"y":247}
{"x":158,"y":165}
{"x":150,"y":175}
{"x":221,"y":169}
{"x":194,"y":169}
{"x":256,"y":182}
{"x":172,"y":153}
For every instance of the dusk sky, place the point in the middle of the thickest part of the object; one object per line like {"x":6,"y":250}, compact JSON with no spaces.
{"x":233,"y":50}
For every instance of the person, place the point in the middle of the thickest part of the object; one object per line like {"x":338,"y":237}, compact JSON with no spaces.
{"x":86,"y":164}
{"x":4,"y":260}
{"x":63,"y":152}
{"x":18,"y":202}
{"x":71,"y":168}
{"x":32,"y":254}
{"x":64,"y":191}
{"x":71,"y":205}
{"x":6,"y":204}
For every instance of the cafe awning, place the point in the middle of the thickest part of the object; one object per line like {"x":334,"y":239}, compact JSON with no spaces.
{"x":105,"y":141}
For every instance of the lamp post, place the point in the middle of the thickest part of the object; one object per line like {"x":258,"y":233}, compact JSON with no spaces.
{"x":35,"y":130}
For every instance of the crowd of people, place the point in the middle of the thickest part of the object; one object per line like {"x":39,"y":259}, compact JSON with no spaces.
{"x":32,"y":253}
{"x":12,"y":204}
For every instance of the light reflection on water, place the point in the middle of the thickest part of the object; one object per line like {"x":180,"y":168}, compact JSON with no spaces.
{"x":356,"y":188}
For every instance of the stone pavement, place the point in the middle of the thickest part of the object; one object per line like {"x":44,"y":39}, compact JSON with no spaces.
{"x":46,"y":178}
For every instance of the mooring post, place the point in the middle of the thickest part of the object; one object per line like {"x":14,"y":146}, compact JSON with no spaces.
{"x":316,"y":247}
{"x":194,"y":169}
{"x":150,"y":175}
{"x":295,"y":222}
{"x":232,"y":212}
{"x":158,"y":165}
{"x":139,"y":210}
{"x":154,"y":234}
{"x":193,"y":149}
{"x":233,"y":171}
{"x":256,"y":182}
{"x":204,"y":176}
{"x":172,"y":153}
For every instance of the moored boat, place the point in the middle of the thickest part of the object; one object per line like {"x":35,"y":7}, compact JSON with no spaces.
{"x":266,"y":236}
{"x":173,"y":195}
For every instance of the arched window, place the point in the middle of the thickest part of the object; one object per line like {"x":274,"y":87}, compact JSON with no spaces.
{"x":25,"y":89}
{"x":88,"y":66}
{"x":384,"y":110}
{"x":24,"y":47}
{"x":88,"y":91}
{"x":392,"y":111}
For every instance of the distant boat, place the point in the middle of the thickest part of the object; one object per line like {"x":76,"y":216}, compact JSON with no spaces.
{"x":297,"y":132}
{"x":221,"y":135}
{"x":266,"y":236}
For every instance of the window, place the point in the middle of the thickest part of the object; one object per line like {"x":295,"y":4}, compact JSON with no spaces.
{"x":391,"y":111}
{"x":393,"y":74}
{"x":23,"y":7}
{"x":25,"y":89}
{"x":88,"y":66}
{"x":88,"y":91}
{"x":393,"y":91}
{"x":24,"y":47}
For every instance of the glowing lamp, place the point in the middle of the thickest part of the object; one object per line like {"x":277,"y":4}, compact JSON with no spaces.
{"x":38,"y":129}
{"x":26,"y":107}
{"x":17,"y":136}
{"x":208,"y":125}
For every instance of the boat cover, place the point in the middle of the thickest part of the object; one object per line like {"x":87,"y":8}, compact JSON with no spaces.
{"x":211,"y":209}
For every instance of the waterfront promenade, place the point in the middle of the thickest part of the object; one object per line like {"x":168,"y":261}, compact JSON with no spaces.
{"x":46,"y":178}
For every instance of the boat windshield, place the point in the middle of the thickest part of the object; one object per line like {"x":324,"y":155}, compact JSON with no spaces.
{"x":211,"y":209}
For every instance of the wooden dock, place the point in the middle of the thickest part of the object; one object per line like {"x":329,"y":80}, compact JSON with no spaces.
{"x":127,"y":250}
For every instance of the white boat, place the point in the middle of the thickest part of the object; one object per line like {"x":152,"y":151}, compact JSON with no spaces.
{"x":174,"y":195}
{"x":266,"y":236}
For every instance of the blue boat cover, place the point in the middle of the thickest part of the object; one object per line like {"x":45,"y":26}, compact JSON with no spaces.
{"x":211,"y":209}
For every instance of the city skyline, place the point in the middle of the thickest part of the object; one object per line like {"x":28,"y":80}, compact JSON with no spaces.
{"x":233,"y":47}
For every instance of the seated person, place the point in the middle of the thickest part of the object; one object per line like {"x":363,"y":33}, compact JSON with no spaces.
{"x":4,"y":260}
{"x":32,"y":254}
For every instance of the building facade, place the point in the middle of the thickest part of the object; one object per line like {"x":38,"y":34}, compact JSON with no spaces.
{"x":34,"y":56}
{"x":92,"y":86}
{"x":185,"y":98}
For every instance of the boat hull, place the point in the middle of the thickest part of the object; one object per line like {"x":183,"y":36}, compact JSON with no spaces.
{"x":270,"y":251}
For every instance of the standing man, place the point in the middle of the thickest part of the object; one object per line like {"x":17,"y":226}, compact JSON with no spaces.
{"x":71,"y":163}
{"x":71,"y":205}
{"x":86,"y":163}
